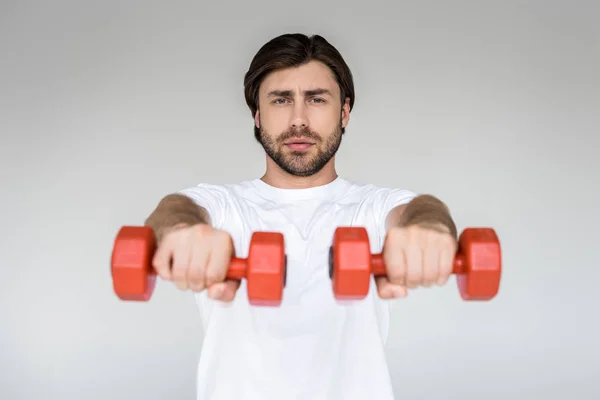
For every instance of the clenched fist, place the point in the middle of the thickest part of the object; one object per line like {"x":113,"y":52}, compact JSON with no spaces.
{"x":415,"y":256}
{"x":196,"y":258}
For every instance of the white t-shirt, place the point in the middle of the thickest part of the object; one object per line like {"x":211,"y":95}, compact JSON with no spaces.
{"x":310,"y":347}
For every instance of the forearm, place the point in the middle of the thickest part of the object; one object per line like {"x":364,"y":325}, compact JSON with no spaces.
{"x":175,"y":210}
{"x":425,"y":211}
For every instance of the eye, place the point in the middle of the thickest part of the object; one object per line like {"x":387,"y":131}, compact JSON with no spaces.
{"x":279,"y":101}
{"x":318,"y":100}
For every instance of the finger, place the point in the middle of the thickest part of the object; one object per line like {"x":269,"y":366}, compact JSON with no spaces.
{"x":181,"y":262}
{"x":394,"y":258}
{"x":224,"y":291}
{"x":219,"y":258}
{"x":414,"y":264}
{"x":446,"y":262}
{"x":388,"y":290}
{"x":196,"y":273}
{"x":161,"y":262}
{"x":383,"y":287}
{"x":431,"y":255}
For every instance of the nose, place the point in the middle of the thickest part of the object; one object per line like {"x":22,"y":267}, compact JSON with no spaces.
{"x":299,"y":117}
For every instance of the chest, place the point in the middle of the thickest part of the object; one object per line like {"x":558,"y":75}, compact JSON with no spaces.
{"x":308,"y":228}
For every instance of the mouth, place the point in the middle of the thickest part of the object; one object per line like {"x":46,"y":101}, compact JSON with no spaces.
{"x":299,"y":144}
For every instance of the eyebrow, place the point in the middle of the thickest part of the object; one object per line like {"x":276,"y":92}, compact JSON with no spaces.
{"x":290,"y":93}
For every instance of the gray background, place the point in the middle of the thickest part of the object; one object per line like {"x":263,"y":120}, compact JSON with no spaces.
{"x":107,"y":106}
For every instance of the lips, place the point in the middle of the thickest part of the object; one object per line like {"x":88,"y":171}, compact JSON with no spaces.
{"x":298,"y":141}
{"x":299,"y":144}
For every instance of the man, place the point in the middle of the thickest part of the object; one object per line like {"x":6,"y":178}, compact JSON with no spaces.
{"x":300,"y":92}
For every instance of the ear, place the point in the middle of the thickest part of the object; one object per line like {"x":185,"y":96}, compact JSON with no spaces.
{"x":257,"y":119}
{"x":346,"y":112}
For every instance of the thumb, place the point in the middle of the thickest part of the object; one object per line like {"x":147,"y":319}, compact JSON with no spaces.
{"x":224,"y":291}
{"x":388,"y":290}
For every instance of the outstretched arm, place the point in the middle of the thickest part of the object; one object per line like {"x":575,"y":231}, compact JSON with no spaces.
{"x":419,"y":247}
{"x":425,"y":211}
{"x":173,"y":211}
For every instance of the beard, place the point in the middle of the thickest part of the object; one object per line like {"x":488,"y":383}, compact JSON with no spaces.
{"x":300,"y":163}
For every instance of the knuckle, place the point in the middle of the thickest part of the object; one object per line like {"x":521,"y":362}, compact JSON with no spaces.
{"x":395,"y":236}
{"x":395,"y":272}
{"x":224,"y":241}
{"x":179,"y":271}
{"x":222,"y":235}
{"x":166,"y":240}
{"x":430,"y":273}
{"x":414,"y":276}
{"x":413,"y":246}
{"x":391,"y":254}
{"x":220,"y":265}
{"x":202,"y":229}
{"x":446,"y":267}
{"x":394,"y":266}
{"x":171,"y":237}
{"x":395,"y":231}
{"x":158,"y":262}
{"x":412,"y":281}
{"x":213,"y":275}
{"x":429,"y":279}
{"x":195,"y":276}
{"x":449,"y":242}
{"x":396,"y":279}
{"x":196,"y":286}
{"x":161,"y":268}
{"x":435,"y":240}
{"x":414,"y":230}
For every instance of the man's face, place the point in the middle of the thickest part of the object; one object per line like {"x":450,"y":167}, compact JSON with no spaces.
{"x":300,"y":118}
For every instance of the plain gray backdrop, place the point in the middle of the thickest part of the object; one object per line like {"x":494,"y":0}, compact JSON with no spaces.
{"x":106,"y":106}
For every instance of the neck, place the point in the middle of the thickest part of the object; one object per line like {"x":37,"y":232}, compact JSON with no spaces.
{"x":277,"y":177}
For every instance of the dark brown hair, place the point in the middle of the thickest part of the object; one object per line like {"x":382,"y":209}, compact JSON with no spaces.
{"x":292,"y":50}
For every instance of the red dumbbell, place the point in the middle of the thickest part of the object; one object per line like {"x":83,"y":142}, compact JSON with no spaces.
{"x":477,"y":264}
{"x":134,"y":277}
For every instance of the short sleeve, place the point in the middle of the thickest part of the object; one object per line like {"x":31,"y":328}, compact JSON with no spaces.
{"x":213,"y":198}
{"x":384,"y":200}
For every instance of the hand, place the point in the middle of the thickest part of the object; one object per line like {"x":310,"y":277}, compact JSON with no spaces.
{"x":196,"y":258}
{"x":415,"y":256}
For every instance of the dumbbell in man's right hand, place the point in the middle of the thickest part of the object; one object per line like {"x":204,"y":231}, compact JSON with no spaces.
{"x":198,"y":257}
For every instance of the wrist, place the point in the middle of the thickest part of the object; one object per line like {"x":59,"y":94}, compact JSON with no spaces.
{"x":177,"y":226}
{"x":428,"y":212}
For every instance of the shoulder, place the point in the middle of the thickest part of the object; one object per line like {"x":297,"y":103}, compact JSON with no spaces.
{"x":217,"y":199}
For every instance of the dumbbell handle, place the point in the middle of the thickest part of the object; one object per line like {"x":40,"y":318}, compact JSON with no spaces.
{"x":379,"y":269}
{"x":237,"y":269}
